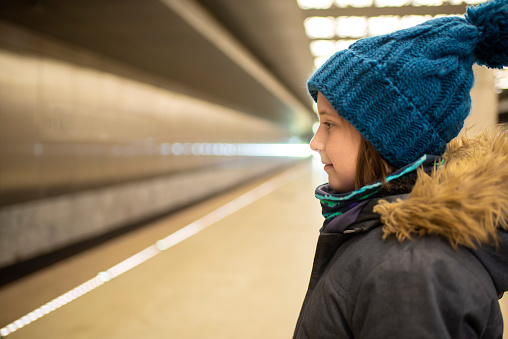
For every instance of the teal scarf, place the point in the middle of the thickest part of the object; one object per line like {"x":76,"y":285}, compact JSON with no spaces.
{"x":334,"y":204}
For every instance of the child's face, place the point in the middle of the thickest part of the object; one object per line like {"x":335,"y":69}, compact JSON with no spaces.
{"x":337,"y":142}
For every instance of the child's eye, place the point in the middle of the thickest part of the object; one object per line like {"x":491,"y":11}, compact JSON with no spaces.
{"x":328,"y":124}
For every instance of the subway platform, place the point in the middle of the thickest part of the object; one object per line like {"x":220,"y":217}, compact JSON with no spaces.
{"x":235,"y":266}
{"x":243,"y":276}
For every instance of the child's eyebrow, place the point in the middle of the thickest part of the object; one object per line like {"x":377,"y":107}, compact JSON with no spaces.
{"x":326,"y":113}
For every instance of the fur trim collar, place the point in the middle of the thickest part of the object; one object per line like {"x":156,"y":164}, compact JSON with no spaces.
{"x":464,"y":201}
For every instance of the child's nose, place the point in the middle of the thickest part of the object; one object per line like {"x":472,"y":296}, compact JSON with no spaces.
{"x":316,"y":143}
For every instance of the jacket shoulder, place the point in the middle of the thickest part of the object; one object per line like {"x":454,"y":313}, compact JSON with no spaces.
{"x":424,"y":279}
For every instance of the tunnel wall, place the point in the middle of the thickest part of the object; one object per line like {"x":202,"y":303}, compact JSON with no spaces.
{"x":87,"y":144}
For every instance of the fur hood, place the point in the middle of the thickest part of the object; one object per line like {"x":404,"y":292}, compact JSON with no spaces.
{"x":465,"y":200}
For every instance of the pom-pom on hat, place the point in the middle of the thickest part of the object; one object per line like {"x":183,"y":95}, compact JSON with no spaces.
{"x":408,"y":92}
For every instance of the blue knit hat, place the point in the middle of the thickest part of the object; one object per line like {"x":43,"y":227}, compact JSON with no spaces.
{"x":408,"y":92}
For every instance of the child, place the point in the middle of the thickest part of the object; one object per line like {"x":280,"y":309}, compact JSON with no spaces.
{"x":415,"y":239}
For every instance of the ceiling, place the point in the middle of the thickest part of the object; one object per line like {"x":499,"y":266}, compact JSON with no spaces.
{"x":251,"y":55}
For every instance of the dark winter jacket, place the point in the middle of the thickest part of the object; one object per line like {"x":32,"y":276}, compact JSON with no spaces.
{"x":431,"y":264}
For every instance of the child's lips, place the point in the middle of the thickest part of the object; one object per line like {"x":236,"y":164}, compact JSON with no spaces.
{"x":327,"y":166}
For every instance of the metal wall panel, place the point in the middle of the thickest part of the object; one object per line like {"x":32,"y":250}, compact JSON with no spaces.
{"x":18,"y":134}
{"x":69,"y":122}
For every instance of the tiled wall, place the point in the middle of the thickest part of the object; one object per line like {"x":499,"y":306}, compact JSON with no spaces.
{"x":84,"y":145}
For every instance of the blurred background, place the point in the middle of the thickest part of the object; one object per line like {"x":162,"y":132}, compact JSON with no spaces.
{"x":117,"y":112}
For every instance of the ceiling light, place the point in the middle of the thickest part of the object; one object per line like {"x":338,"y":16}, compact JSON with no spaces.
{"x":320,"y":48}
{"x":391,"y":3}
{"x":502,"y":83}
{"x":384,"y":24}
{"x":361,"y":3}
{"x":412,"y":20}
{"x":342,"y":3}
{"x":343,"y":44}
{"x":317,"y":4}
{"x":353,"y":3}
{"x":501,"y":78}
{"x":315,"y":127}
{"x":320,"y":27}
{"x":427,"y":2}
{"x":319,"y":61}
{"x":352,"y":26}
{"x":447,"y":16}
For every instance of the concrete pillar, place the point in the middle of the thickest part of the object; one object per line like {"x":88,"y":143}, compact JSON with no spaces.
{"x":484,"y":111}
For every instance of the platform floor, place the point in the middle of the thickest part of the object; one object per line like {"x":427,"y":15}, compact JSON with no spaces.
{"x":244,"y":276}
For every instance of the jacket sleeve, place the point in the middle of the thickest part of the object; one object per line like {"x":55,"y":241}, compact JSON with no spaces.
{"x":423,"y":295}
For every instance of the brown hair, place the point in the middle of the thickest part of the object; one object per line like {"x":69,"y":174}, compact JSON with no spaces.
{"x":370,"y":166}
